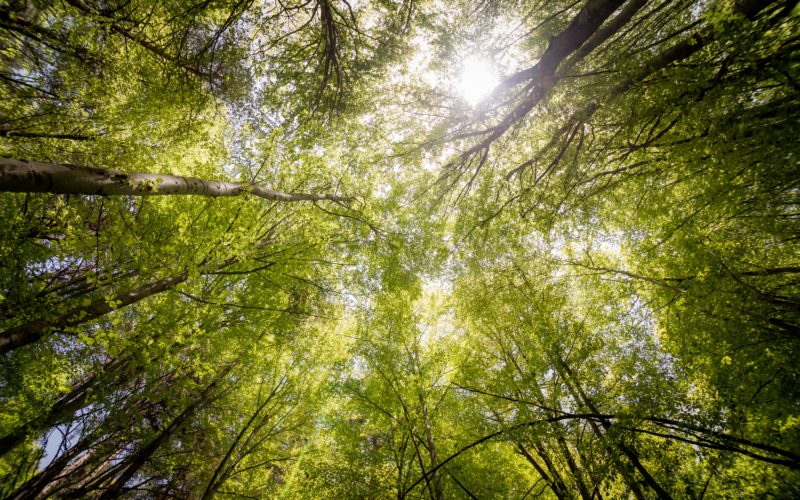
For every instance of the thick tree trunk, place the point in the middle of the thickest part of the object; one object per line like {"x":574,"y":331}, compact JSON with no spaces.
{"x":677,"y":52}
{"x":541,"y":77}
{"x":582,"y":27}
{"x":27,"y":176}
{"x":44,"y":135}
{"x":605,"y":32}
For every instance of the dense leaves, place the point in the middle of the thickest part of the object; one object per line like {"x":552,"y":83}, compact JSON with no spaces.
{"x":263,"y":249}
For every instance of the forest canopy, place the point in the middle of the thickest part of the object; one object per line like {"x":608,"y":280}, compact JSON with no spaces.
{"x":399,"y":249}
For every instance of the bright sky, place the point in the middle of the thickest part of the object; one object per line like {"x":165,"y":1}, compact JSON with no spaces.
{"x":476,"y":80}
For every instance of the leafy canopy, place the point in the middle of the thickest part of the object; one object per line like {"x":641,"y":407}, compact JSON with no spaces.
{"x":582,"y":282}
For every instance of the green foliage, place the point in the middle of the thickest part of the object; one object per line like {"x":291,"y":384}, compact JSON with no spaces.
{"x":585,"y":285}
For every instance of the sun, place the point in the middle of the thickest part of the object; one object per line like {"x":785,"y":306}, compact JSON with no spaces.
{"x":476,"y":80}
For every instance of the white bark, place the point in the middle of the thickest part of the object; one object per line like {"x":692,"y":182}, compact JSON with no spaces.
{"x":27,"y":176}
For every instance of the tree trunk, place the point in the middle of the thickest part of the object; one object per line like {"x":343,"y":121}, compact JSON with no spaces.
{"x":66,"y":405}
{"x":574,"y":385}
{"x":550,"y":482}
{"x":542,"y":76}
{"x":34,"y":330}
{"x":438,"y":493}
{"x":229,"y":462}
{"x":678,"y":52}
{"x":60,"y":467}
{"x":575,"y":470}
{"x":138,"y":459}
{"x":582,"y":27}
{"x":556,"y":483}
{"x":27,"y":176}
{"x":64,"y":408}
{"x":87,"y":10}
{"x":44,"y":135}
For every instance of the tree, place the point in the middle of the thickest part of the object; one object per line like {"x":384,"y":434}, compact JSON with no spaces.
{"x":583,"y":285}
{"x":36,"y":177}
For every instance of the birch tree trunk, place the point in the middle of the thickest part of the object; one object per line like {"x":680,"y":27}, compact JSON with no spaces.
{"x":27,"y":176}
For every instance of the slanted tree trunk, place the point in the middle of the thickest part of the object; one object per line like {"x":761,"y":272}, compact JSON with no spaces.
{"x":44,"y":135}
{"x":554,"y":480}
{"x":242,"y":441}
{"x":27,"y":176}
{"x":575,"y":387}
{"x":65,"y":406}
{"x":438,"y":493}
{"x":32,"y":331}
{"x":59,"y":467}
{"x":113,"y":371}
{"x":576,"y":472}
{"x":541,"y":77}
{"x":138,"y":459}
{"x":583,"y":26}
{"x":88,"y":457}
{"x":675,"y":53}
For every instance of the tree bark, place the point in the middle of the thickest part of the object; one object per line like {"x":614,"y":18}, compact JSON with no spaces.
{"x":678,"y":52}
{"x":541,"y":77}
{"x":64,"y":406}
{"x":60,"y":467}
{"x":555,"y":484}
{"x":44,"y":135}
{"x":582,"y":27}
{"x":87,"y":10}
{"x":138,"y":459}
{"x":438,"y":493}
{"x":27,"y":176}
{"x":576,"y":471}
{"x":605,"y":32}
{"x":113,"y":372}
{"x":34,"y":330}
{"x":574,"y":385}
{"x":229,"y":462}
